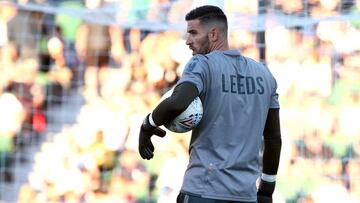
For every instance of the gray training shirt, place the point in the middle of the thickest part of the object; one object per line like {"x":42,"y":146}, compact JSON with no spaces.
{"x":236,"y":93}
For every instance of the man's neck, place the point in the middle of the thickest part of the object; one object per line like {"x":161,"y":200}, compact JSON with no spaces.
{"x":221,"y":46}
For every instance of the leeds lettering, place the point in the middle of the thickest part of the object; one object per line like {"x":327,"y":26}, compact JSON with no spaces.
{"x":238,"y":84}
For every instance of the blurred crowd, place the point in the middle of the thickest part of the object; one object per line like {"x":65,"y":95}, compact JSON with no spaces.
{"x":122,"y":72}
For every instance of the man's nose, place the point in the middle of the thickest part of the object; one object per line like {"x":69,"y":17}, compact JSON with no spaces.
{"x":188,"y":41}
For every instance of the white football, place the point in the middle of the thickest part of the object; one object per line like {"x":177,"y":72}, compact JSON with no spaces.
{"x":188,"y":119}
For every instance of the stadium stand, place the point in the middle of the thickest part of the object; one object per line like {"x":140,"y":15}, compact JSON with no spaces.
{"x":68,"y":131}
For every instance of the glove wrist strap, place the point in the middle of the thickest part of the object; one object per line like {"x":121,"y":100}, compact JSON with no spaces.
{"x":151,"y":121}
{"x":268,"y":178}
{"x":146,"y":124}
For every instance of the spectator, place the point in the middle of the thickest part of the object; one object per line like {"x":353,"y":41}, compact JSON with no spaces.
{"x":7,"y":12}
{"x":11,"y":119}
{"x":96,"y":56}
{"x":105,"y":160}
{"x":59,"y":75}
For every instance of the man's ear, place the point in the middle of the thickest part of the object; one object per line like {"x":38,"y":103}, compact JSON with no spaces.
{"x":214,"y":34}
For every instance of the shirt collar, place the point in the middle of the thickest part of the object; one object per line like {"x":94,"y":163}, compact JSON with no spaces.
{"x":232,"y":52}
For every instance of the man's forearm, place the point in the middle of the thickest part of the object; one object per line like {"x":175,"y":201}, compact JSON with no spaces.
{"x":171,"y":107}
{"x":271,"y":157}
{"x":272,"y":143}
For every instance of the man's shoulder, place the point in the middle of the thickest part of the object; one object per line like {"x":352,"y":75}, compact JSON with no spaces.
{"x":255,"y":63}
{"x":199,"y":59}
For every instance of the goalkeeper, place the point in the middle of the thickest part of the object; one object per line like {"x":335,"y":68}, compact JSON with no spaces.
{"x":241,"y":110}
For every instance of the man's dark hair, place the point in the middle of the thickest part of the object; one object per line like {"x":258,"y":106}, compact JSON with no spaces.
{"x":208,"y":14}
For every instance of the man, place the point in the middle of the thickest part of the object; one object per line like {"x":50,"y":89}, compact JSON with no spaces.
{"x":240,"y":108}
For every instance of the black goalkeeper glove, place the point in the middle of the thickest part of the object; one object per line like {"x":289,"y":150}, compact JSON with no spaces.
{"x":146,"y":147}
{"x":265,"y":191}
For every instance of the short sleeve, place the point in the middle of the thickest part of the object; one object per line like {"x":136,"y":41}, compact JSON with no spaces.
{"x":195,"y":72}
{"x":274,"y":101}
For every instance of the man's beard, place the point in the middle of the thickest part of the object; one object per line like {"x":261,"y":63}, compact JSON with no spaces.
{"x":205,"y":48}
